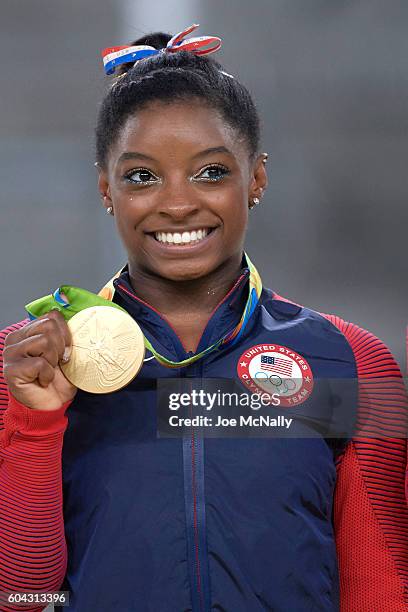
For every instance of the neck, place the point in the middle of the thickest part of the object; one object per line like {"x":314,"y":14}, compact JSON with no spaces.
{"x":190,"y":297}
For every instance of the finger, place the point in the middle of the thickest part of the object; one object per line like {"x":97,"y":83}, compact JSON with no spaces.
{"x":65,"y":331}
{"x":48,"y":326}
{"x":29,"y":370}
{"x":41,"y":345}
{"x":46,"y":374}
{"x":46,"y":323}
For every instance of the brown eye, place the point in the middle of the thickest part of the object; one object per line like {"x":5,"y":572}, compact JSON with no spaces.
{"x":141,"y":176}
{"x":212,"y":173}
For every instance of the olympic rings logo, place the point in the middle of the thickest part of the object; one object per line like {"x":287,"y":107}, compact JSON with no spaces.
{"x":282,"y":385}
{"x":276,"y":369}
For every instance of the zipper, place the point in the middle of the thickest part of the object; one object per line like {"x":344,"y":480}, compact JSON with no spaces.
{"x":193,"y":466}
{"x":194,"y":494}
{"x":194,"y":497}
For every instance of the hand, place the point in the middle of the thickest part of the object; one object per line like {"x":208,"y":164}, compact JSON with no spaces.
{"x":30,"y":363}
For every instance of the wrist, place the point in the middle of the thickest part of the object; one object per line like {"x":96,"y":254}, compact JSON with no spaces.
{"x":21,"y":418}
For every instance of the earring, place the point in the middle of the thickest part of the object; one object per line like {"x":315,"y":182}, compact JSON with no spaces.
{"x":109,"y":210}
{"x":255,"y":202}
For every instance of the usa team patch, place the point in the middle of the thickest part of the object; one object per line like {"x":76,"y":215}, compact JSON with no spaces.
{"x":273,"y":368}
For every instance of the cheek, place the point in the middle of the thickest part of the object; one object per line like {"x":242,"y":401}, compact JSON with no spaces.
{"x":130,"y":211}
{"x":126,"y":225}
{"x":235,"y":212}
{"x":240,"y":221}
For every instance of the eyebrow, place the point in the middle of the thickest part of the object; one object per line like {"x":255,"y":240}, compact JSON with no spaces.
{"x":212,"y":150}
{"x":143,"y":156}
{"x":135,"y":155}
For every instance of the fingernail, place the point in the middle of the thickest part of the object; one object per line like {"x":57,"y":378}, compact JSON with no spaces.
{"x":67,"y":354}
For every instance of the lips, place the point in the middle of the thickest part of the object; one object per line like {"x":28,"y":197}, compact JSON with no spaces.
{"x":182,"y":247}
{"x":182,"y":238}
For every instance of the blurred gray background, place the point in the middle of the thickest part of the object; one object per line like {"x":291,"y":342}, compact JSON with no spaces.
{"x":330,"y":79}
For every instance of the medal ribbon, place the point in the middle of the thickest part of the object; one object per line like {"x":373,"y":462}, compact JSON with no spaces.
{"x":78,"y":299}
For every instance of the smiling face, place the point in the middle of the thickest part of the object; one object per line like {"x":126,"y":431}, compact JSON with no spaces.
{"x":179,"y":180}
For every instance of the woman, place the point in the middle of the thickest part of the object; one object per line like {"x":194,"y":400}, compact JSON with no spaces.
{"x":193,"y":523}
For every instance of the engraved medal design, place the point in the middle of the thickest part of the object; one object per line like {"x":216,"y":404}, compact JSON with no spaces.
{"x":107,"y":349}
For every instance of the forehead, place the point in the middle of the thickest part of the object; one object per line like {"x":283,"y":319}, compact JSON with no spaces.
{"x":176,"y":128}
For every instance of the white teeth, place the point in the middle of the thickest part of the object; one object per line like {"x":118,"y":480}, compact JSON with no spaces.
{"x":183,"y":238}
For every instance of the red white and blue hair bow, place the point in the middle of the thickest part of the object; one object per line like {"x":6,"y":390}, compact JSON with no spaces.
{"x":202,"y":45}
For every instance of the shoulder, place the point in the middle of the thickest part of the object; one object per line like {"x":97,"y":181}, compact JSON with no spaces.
{"x":342,"y":349}
{"x":372,"y":356}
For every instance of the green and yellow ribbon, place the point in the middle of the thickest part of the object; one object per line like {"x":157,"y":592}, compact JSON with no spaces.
{"x":78,"y":299}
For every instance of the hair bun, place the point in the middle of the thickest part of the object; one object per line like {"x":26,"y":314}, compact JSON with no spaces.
{"x":158,"y":40}
{"x":184,"y":74}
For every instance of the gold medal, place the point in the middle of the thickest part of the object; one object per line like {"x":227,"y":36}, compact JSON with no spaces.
{"x":107,"y":349}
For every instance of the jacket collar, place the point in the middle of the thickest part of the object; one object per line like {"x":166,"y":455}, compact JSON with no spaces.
{"x":224,"y":317}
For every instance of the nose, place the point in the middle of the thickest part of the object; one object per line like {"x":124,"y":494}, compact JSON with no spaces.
{"x":177,"y":200}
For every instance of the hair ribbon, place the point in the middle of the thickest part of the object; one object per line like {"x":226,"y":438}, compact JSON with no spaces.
{"x":202,"y":45}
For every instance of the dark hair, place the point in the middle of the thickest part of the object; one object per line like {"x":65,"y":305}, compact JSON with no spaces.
{"x":166,"y":77}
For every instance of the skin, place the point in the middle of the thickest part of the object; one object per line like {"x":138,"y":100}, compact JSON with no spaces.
{"x":176,"y":195}
{"x":30,"y":362}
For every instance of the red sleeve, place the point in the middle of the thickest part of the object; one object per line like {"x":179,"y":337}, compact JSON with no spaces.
{"x":33,"y":553}
{"x":370,"y":511}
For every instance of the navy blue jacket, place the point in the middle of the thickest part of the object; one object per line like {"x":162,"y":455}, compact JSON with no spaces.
{"x":198,"y":524}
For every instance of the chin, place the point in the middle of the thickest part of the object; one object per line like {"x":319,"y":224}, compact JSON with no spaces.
{"x":185,"y":271}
